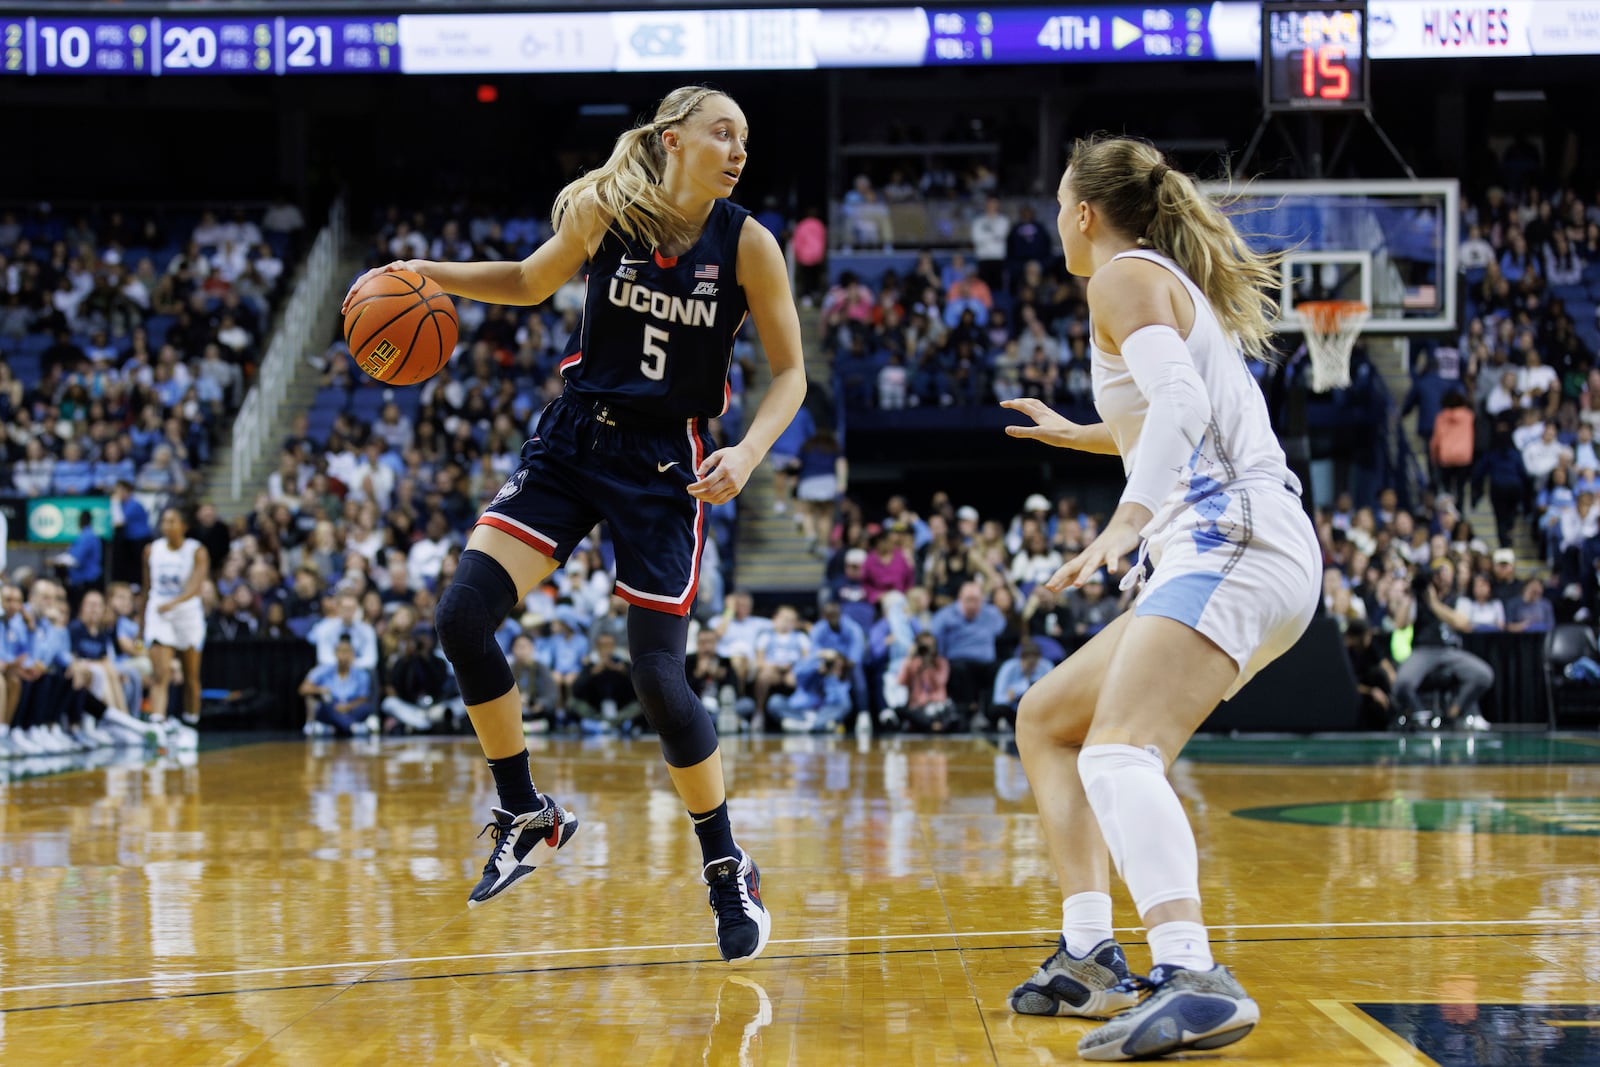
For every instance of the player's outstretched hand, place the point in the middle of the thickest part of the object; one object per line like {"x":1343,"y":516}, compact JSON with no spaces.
{"x":1108,"y":551}
{"x":1049,"y":427}
{"x":387,"y":268}
{"x":722,"y":475}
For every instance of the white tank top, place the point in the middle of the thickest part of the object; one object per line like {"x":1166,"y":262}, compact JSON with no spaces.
{"x":170,"y":569}
{"x":1239,"y":446}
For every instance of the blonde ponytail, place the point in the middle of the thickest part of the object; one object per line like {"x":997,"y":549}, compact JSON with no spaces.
{"x":1140,"y":195}
{"x":627,"y":187}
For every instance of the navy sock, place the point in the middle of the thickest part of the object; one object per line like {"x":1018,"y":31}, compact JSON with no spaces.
{"x":715,"y":833}
{"x":514,"y":783}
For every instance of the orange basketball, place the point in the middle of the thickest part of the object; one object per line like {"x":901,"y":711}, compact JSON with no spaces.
{"x":401,"y":327}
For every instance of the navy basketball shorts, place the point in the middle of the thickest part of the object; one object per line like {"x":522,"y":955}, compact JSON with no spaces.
{"x":589,"y":462}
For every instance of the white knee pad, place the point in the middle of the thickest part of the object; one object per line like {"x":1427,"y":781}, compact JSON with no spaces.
{"x":1143,"y":823}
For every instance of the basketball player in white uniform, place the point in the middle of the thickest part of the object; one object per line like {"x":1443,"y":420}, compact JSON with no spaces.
{"x":1229,"y":571}
{"x":175,"y":570}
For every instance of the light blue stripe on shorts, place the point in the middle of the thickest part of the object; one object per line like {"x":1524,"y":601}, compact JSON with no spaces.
{"x":1183,"y":598}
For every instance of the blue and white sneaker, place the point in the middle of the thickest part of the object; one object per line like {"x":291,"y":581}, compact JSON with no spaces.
{"x":743,"y":924}
{"x":1091,"y":987}
{"x":1184,"y":1010}
{"x":521,"y":843}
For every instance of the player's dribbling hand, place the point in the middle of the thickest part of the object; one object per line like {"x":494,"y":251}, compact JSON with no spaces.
{"x":722,"y":475}
{"x":1049,"y":427}
{"x":387,"y":268}
{"x":1120,"y":537}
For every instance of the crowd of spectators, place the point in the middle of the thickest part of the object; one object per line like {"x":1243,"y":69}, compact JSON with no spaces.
{"x":934,"y":621}
{"x":127,"y":340}
{"x":1509,"y":409}
{"x":944,"y":335}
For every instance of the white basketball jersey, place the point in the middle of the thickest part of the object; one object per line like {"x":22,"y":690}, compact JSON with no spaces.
{"x":170,"y":569}
{"x":1239,"y":445}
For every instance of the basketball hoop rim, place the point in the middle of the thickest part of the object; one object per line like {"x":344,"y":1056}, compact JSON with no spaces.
{"x":1326,"y":316}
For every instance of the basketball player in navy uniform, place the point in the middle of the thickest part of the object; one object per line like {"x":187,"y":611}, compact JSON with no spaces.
{"x":673,"y":268}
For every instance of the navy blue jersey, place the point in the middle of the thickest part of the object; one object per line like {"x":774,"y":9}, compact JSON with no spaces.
{"x":88,"y":644}
{"x":657,"y":333}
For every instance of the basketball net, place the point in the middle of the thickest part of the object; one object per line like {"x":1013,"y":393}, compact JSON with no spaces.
{"x":1332,"y":327}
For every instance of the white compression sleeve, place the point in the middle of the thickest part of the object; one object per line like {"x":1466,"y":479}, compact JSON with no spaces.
{"x":1143,"y":823}
{"x":1179,"y":414}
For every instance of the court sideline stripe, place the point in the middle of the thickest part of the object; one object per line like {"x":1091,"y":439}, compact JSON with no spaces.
{"x":535,"y":953}
{"x":343,"y":988}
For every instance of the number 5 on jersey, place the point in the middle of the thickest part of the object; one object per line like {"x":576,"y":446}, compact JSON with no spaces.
{"x":654,"y":364}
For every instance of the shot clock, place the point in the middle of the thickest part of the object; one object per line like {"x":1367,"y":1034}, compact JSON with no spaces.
{"x":1314,"y":55}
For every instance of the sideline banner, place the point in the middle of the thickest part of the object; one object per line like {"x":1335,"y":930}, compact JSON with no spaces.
{"x":54,"y":519}
{"x":1427,"y":29}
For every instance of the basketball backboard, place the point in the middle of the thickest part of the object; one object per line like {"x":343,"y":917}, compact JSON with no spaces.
{"x":1389,"y":244}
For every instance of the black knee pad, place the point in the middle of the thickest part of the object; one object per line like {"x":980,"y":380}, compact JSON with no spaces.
{"x":678,"y":716}
{"x":469,"y":611}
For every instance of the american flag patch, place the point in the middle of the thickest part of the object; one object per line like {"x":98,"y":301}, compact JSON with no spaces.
{"x":706,"y":271}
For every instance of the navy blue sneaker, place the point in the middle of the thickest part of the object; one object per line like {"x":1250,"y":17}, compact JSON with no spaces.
{"x":1089,"y":987}
{"x":521,"y":843}
{"x":743,"y":924}
{"x":1184,"y":1010}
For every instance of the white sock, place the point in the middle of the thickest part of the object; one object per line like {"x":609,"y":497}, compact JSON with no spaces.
{"x":1085,"y":921}
{"x":1183,"y":944}
{"x":1143,"y":823}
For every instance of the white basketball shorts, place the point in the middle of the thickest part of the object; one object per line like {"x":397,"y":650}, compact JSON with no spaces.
{"x":1241,"y":566}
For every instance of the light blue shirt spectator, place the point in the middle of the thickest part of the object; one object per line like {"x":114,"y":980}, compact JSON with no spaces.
{"x":208,"y":390}
{"x":15,"y":639}
{"x":363,"y":639}
{"x":967,"y":629}
{"x":107,"y":475}
{"x":954,"y":308}
{"x":564,"y":652}
{"x":783,"y":649}
{"x":818,"y":689}
{"x":127,"y":630}
{"x":170,"y":392}
{"x":357,"y":685}
{"x":509,"y":631}
{"x":842,"y":635}
{"x":1015,"y":677}
{"x":144,"y":441}
{"x":72,"y":477}
{"x":51,"y":645}
{"x":162,"y":474}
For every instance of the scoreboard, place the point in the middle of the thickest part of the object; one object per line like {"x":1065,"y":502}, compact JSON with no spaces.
{"x":1313,"y":52}
{"x":164,"y":46}
{"x":536,"y":42}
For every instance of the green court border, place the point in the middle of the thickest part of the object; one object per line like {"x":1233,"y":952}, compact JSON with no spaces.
{"x":1497,"y":815}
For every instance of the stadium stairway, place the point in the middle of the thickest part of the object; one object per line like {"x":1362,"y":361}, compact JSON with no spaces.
{"x":303,"y":386}
{"x":774,"y":560}
{"x":1479,"y":514}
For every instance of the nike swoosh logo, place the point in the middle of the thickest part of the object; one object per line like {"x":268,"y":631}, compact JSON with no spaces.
{"x":632,"y":262}
{"x":662,"y":468}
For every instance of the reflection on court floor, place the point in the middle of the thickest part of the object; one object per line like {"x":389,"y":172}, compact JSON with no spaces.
{"x":293,"y":902}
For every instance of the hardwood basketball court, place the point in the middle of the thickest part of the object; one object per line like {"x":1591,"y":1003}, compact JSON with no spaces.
{"x":1386,"y":900}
